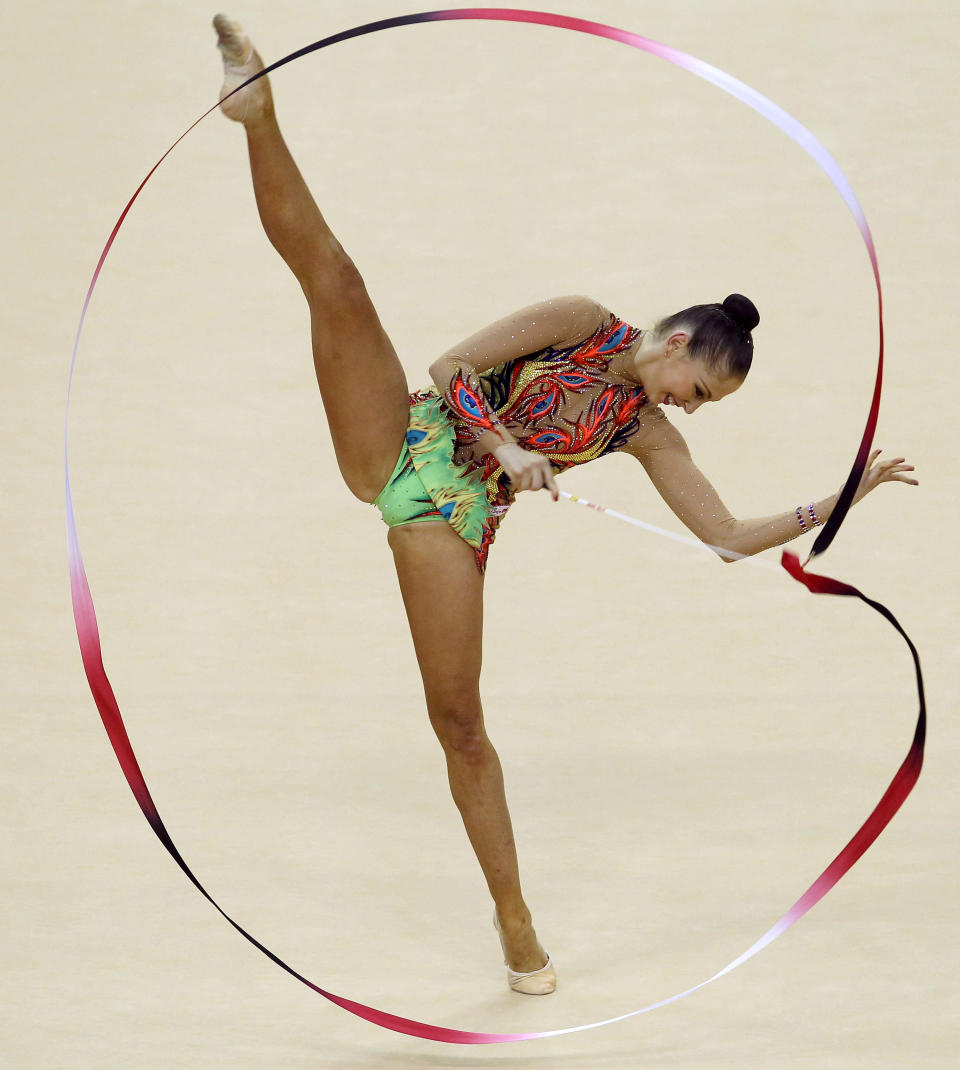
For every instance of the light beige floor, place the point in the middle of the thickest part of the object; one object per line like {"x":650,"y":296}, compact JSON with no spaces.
{"x":723,"y":732}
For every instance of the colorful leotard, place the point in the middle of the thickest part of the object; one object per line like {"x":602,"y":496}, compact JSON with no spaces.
{"x":531,"y":397}
{"x":426,"y":485}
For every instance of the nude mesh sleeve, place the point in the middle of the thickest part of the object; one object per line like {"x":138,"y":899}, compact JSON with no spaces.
{"x":693,"y":500}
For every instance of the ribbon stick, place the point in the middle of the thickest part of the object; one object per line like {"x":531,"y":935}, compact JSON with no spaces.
{"x":85,"y":615}
{"x":672,"y":535}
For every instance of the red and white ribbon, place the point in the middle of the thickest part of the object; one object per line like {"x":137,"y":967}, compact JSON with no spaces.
{"x":907,"y":774}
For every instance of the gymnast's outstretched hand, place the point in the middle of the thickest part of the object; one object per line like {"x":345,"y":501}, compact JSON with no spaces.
{"x":527,"y":471}
{"x":878,"y":472}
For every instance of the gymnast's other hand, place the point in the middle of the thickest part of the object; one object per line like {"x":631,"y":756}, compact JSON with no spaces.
{"x":527,"y":471}
{"x":878,"y":472}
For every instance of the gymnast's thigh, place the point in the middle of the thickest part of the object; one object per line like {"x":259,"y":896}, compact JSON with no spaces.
{"x":442,"y":593}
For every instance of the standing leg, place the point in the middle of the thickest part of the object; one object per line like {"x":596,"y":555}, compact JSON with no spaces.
{"x":364,"y":393}
{"x":361,"y":381}
{"x":443,"y":596}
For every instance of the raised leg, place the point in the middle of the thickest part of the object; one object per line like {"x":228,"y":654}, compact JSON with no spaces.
{"x":443,"y":596}
{"x":361,"y":380}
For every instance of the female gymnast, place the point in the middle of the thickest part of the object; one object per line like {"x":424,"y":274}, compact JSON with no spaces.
{"x":554,"y":385}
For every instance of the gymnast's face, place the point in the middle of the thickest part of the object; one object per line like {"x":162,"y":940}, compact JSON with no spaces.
{"x":674,"y":378}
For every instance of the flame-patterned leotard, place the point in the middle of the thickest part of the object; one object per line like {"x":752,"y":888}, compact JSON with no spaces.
{"x":565,"y":404}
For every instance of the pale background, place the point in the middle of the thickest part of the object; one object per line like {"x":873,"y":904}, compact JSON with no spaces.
{"x":686,"y":746}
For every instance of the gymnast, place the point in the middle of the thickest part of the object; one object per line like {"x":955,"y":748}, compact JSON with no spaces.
{"x":553,"y":385}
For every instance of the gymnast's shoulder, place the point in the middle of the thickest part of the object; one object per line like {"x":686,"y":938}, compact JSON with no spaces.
{"x":654,"y":434}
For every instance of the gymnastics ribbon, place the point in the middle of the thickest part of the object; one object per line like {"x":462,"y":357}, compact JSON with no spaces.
{"x":905,"y":778}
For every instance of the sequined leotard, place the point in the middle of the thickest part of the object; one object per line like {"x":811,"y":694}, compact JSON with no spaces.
{"x":564,"y":404}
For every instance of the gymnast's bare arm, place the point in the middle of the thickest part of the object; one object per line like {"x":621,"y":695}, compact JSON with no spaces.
{"x":667,"y":461}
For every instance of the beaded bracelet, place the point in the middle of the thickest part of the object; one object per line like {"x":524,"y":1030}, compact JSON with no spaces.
{"x":814,"y":519}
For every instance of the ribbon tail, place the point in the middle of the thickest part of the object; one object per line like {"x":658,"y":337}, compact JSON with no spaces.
{"x":906,"y":776}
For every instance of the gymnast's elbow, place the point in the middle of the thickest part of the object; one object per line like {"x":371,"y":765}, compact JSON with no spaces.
{"x":442,"y":371}
{"x":443,"y":366}
{"x":726,"y":552}
{"x":724,"y":542}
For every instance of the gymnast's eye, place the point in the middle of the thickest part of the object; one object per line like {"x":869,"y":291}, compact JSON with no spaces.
{"x":699,"y":392}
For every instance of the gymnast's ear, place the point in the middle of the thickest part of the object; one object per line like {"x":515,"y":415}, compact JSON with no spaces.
{"x":676,"y":343}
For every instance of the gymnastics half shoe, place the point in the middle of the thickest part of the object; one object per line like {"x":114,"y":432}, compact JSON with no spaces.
{"x":535,"y":983}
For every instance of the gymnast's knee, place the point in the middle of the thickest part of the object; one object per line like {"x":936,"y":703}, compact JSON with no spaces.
{"x":332,"y":284}
{"x":457,"y":720}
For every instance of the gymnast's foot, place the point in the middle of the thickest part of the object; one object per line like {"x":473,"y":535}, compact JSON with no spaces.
{"x":240,"y":61}
{"x":529,"y":968}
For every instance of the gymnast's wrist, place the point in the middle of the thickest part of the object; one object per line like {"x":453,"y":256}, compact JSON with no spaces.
{"x":494,"y":441}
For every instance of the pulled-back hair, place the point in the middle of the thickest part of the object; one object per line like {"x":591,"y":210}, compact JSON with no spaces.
{"x":719,"y":334}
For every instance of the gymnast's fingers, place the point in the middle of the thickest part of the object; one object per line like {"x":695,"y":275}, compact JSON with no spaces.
{"x":894,"y":471}
{"x":897,"y":466}
{"x":544,"y":474}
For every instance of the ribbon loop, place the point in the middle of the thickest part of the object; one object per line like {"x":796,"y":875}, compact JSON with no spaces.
{"x":85,"y":616}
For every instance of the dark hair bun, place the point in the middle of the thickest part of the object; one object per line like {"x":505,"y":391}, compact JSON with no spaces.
{"x":742,"y":310}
